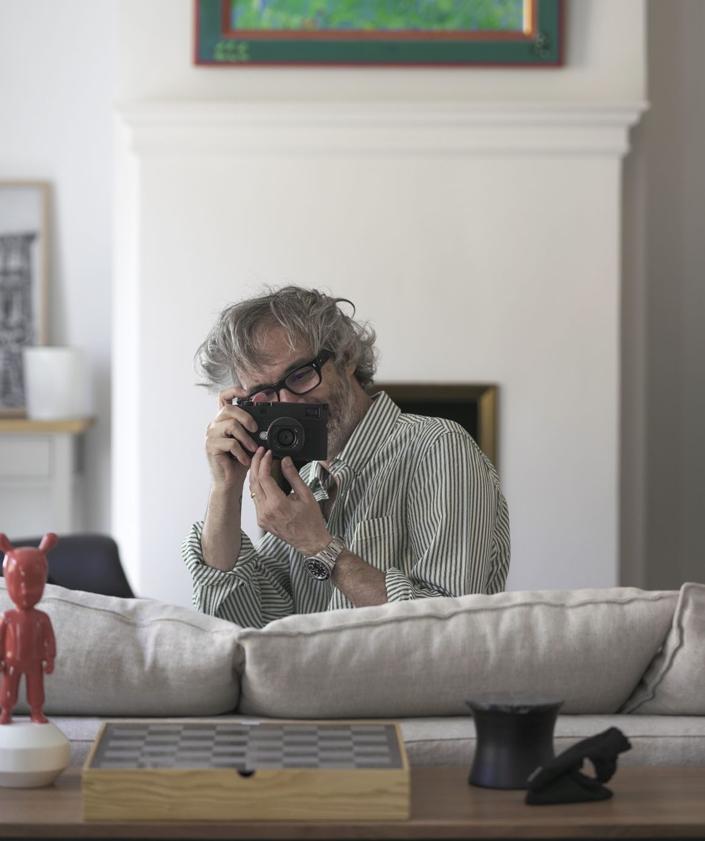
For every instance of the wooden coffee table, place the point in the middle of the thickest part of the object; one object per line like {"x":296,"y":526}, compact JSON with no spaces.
{"x":648,"y":803}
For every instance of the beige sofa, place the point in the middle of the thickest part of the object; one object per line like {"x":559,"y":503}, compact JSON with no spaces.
{"x":620,"y":656}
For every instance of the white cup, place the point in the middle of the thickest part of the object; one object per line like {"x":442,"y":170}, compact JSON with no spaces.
{"x":56,"y":383}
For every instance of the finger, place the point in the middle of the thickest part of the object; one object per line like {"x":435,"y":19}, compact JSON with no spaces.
{"x":267,"y":482}
{"x":234,"y":414}
{"x":256,"y":462}
{"x":227,"y":395}
{"x":292,"y":476}
{"x":229,"y":431}
{"x":229,"y":445}
{"x":256,"y":490}
{"x":231,"y":428}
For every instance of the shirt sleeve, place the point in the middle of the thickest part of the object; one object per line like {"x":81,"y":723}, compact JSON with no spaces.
{"x":255,"y":591}
{"x":458,"y":525}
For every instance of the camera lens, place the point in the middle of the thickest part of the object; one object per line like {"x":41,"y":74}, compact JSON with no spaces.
{"x":285,"y":438}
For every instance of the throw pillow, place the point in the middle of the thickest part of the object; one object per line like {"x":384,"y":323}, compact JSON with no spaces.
{"x":426,"y":657}
{"x":674,"y":684}
{"x":133,"y":657}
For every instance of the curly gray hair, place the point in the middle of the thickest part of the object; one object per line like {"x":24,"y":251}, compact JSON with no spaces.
{"x":310,"y":319}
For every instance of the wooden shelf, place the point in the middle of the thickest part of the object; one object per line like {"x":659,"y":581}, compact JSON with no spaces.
{"x":28,"y":426}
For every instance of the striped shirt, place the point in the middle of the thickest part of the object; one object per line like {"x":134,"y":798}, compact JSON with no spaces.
{"x":417,"y":499}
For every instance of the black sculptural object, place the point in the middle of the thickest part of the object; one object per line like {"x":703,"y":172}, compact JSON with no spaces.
{"x":561,"y":780}
{"x":514,"y":736}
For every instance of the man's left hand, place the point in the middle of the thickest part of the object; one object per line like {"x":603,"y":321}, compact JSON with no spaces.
{"x":295,"y":518}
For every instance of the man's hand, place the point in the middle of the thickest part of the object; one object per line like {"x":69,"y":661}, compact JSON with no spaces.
{"x":296,"y":519}
{"x":229,"y":444}
{"x":48,"y":666}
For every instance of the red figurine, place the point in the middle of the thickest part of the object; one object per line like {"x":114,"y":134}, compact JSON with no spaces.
{"x":27,"y":644}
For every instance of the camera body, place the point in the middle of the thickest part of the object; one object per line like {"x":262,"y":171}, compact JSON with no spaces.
{"x":297,"y":430}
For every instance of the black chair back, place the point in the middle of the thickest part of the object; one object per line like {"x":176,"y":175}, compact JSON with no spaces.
{"x":89,"y":562}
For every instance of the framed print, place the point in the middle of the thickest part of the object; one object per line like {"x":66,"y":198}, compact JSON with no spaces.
{"x":23,"y":283}
{"x":379,"y":32}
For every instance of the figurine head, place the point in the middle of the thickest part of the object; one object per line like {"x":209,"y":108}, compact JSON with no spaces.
{"x":25,"y":570}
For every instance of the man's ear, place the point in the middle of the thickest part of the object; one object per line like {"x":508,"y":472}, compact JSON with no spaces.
{"x":5,"y":544}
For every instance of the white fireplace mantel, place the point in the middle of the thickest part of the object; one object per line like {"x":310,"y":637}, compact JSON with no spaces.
{"x":381,"y":128}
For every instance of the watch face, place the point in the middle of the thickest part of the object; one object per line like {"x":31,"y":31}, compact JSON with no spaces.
{"x":317,"y":569}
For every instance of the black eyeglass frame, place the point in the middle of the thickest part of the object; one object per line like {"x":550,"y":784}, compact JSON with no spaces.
{"x":316,"y":363}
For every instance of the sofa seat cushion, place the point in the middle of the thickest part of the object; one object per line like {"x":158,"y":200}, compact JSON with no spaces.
{"x":426,"y":657}
{"x":656,"y":739}
{"x":135,"y":657}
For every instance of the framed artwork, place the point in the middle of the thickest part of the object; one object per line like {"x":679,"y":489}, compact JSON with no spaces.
{"x":379,"y":32}
{"x":24,"y":207}
{"x":473,"y":406}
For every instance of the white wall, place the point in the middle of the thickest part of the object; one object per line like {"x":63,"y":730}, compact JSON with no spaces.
{"x":481,"y":238}
{"x":56,"y":124}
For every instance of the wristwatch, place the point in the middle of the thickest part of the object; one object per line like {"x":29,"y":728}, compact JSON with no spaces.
{"x":320,"y":566}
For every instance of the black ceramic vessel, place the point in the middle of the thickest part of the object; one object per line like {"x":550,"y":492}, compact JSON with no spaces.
{"x":514,"y":736}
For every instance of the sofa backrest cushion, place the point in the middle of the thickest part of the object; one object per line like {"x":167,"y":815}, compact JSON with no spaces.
{"x":675,"y":681}
{"x":135,"y":657}
{"x":426,"y":657}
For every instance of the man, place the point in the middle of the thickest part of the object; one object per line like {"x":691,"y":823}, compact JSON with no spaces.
{"x":403,"y":507}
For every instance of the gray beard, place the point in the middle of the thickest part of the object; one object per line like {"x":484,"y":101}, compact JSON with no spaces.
{"x":342,"y":419}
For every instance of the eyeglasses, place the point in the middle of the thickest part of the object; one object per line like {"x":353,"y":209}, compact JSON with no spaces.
{"x":299,"y":381}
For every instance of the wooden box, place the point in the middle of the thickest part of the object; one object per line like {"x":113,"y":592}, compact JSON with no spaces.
{"x":202,"y":769}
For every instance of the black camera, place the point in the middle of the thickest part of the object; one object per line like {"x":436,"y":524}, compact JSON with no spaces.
{"x":298,"y":430}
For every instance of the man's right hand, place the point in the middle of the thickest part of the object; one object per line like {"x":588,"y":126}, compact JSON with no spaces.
{"x":229,"y":442}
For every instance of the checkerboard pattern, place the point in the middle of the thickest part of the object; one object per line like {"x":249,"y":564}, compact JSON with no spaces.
{"x":246,"y":747}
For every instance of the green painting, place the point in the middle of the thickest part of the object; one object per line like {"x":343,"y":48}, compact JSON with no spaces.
{"x":379,"y":32}
{"x":378,"y":15}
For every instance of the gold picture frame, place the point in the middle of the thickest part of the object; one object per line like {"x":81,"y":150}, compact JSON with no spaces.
{"x":474,"y":406}
{"x":24,"y":287}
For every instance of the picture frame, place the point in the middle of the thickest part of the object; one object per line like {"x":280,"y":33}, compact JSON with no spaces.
{"x":24,"y":226}
{"x":246,"y":33}
{"x":475,"y":406}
